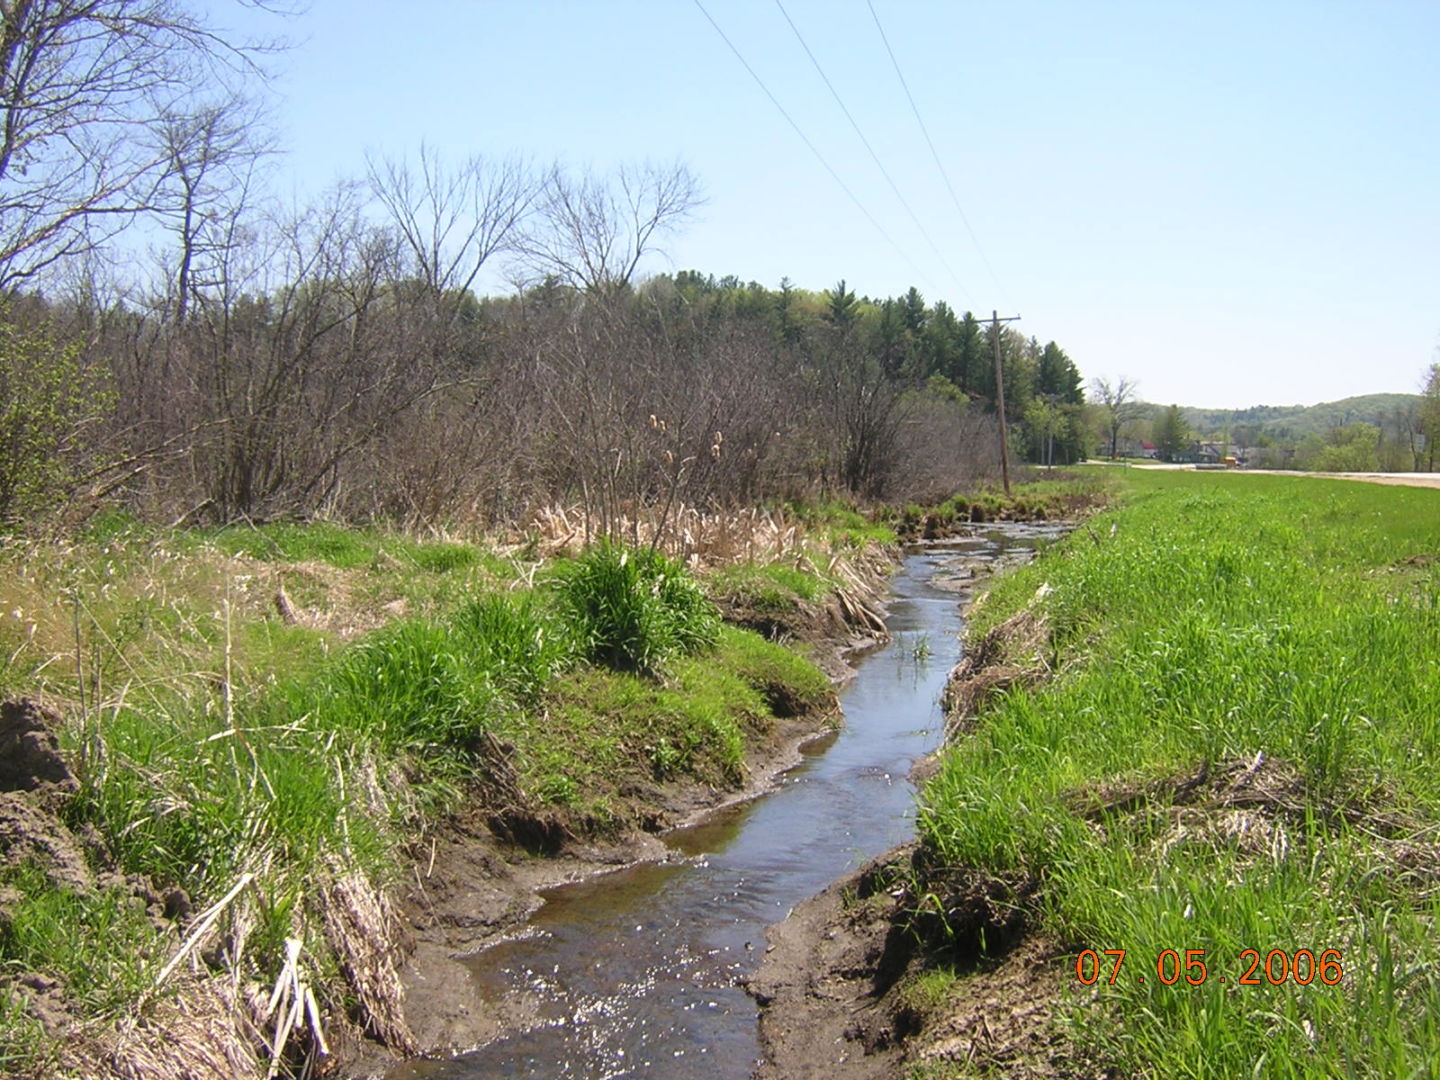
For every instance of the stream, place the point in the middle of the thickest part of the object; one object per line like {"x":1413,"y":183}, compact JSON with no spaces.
{"x":640,"y":972}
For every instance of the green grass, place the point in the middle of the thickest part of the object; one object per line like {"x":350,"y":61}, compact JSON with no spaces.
{"x":603,"y":727}
{"x":634,"y":609}
{"x":341,"y":547}
{"x":1036,"y":495}
{"x":55,"y":932}
{"x":25,"y":1050}
{"x":1227,"y":617}
{"x":770,"y":588}
{"x":841,"y":525}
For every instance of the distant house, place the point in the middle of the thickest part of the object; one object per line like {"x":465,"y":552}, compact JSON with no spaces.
{"x":1127,"y":447}
{"x":1208,"y":453}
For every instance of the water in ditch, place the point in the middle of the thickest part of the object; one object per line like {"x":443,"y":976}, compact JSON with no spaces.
{"x":640,"y":973}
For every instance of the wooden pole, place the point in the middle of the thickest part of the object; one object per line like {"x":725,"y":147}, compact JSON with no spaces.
{"x":995,"y":322}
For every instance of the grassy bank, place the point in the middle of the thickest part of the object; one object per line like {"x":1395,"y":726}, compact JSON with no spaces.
{"x":1037,"y":495}
{"x":1235,"y":751}
{"x":263,"y":724}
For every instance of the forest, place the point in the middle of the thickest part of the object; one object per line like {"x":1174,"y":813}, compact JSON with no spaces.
{"x":338,"y":363}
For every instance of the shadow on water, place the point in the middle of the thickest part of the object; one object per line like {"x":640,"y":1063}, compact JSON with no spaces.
{"x":638,"y":973}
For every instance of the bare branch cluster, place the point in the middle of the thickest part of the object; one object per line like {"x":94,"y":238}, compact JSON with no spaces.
{"x":99,"y":100}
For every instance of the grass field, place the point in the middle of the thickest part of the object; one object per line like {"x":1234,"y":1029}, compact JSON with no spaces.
{"x":1236,"y":751}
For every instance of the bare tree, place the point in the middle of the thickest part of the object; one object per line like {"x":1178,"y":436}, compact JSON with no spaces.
{"x":454,"y":220}
{"x":79,"y":81}
{"x":1118,"y":405}
{"x":211,"y":153}
{"x":594,"y":231}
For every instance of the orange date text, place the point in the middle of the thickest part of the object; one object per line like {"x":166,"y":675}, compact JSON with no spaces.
{"x":1189,"y":967}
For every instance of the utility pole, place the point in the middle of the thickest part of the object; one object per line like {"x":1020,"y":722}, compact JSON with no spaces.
{"x":995,"y":322}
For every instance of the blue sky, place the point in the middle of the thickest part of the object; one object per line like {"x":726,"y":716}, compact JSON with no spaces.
{"x":1232,"y":203}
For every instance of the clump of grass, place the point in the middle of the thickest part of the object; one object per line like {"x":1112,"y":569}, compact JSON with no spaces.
{"x":1215,"y":624}
{"x":25,"y":1050}
{"x":55,"y":932}
{"x":603,"y":725}
{"x":926,"y":992}
{"x":1038,"y":497}
{"x":842,"y":525}
{"x":633,"y":609}
{"x":516,"y":641}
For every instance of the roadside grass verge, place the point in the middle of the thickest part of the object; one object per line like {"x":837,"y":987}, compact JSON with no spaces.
{"x":225,"y":752}
{"x":1235,"y":751}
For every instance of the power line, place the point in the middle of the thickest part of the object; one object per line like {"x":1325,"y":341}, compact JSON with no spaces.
{"x":945,"y":176}
{"x":806,"y":140}
{"x":871,"y":150}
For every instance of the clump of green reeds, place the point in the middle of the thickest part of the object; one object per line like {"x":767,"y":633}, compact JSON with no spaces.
{"x":632,"y":609}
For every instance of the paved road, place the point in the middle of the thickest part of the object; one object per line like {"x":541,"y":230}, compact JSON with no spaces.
{"x":1416,"y":479}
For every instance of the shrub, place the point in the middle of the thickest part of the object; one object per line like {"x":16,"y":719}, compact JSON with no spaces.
{"x":47,"y":400}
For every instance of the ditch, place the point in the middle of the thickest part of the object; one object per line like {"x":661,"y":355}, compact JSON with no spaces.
{"x":642,"y":971}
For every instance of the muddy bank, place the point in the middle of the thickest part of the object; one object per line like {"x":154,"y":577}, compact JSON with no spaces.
{"x":843,"y":990}
{"x":469,"y":889}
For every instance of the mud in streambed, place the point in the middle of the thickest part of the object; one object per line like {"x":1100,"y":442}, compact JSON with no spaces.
{"x":641,"y":972}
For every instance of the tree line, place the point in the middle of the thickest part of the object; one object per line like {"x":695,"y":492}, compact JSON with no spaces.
{"x":175,"y":339}
{"x":1375,"y":432}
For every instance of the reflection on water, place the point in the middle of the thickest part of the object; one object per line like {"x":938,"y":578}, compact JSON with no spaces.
{"x":637,"y":973}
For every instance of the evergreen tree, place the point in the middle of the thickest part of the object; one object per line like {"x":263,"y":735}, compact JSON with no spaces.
{"x":913,"y":312}
{"x":842,"y":307}
{"x":1172,"y":434}
{"x":1059,"y":377}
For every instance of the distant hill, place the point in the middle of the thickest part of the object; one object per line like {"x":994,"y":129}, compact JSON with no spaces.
{"x":1291,"y":423}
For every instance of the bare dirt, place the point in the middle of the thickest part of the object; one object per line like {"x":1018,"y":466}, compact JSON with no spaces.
{"x":840,"y":999}
{"x":35,"y":781}
{"x":1430,"y":480}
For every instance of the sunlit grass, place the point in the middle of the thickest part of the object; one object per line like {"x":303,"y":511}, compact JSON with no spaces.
{"x":1216,"y":621}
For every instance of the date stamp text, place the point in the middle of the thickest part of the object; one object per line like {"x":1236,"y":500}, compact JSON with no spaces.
{"x":1255,"y":968}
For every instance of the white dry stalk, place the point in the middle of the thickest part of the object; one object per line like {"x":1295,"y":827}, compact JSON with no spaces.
{"x":202,"y":927}
{"x":228,"y":686}
{"x":296,"y":1004}
{"x":282,"y":995}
